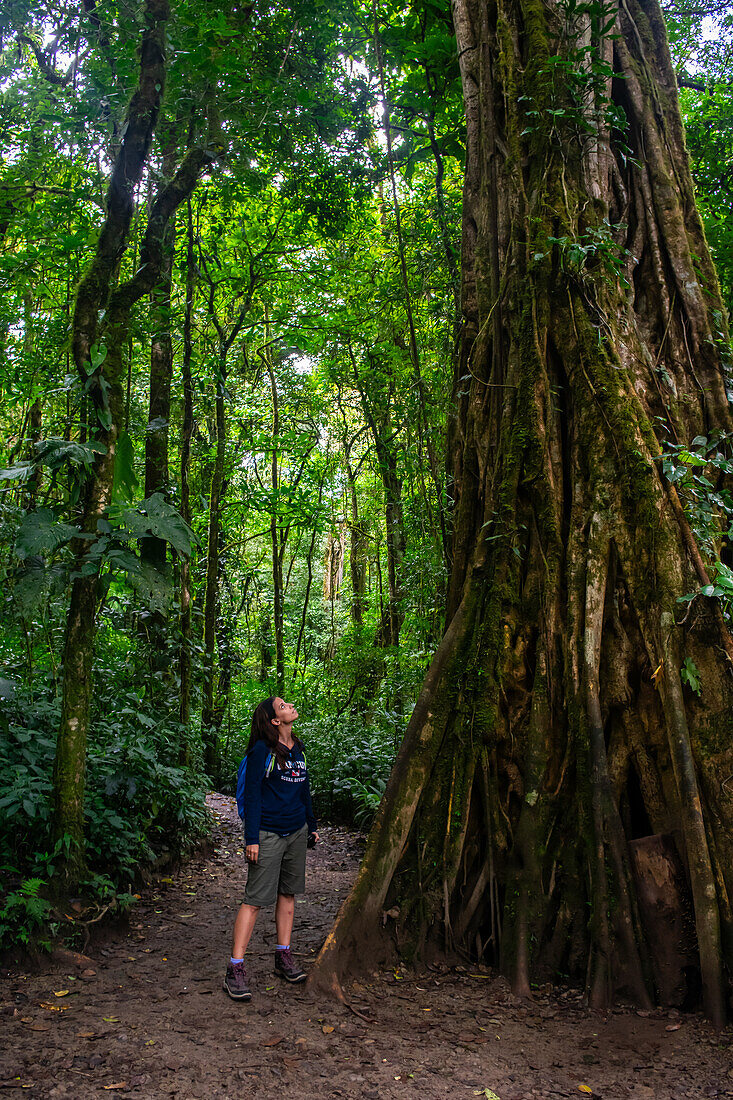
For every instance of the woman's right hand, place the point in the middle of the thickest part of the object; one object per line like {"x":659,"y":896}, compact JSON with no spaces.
{"x":252,"y":852}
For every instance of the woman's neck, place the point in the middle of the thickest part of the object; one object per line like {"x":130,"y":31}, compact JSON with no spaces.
{"x":287,"y":738}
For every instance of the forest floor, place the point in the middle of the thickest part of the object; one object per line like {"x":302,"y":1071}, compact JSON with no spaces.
{"x":143,"y":1013}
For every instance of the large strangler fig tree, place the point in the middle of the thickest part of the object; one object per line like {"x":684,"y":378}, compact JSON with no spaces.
{"x":560,"y":787}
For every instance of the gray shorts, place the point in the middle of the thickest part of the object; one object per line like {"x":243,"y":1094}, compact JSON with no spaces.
{"x":280,"y":868}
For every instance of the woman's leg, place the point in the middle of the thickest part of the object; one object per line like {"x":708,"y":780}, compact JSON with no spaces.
{"x":243,"y":928}
{"x":284,"y":913}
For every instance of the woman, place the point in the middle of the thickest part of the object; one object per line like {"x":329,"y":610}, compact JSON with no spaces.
{"x":277,"y":822}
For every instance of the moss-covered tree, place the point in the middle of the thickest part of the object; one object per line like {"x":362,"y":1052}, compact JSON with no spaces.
{"x":554,"y":735}
{"x":100,"y":329}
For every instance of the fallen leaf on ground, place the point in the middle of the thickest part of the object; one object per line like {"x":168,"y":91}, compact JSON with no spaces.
{"x":38,"y":1027}
{"x":88,"y":973}
{"x":116,"y":1085}
{"x":61,"y":993}
{"x":326,"y":1029}
{"x":85,"y":1034}
{"x":585,"y":1088}
{"x":673,"y":1027}
{"x":273,"y":1041}
{"x":53,"y":1008}
{"x":111,"y":1019}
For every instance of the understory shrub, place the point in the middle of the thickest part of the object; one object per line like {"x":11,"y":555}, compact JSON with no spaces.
{"x":139,"y":803}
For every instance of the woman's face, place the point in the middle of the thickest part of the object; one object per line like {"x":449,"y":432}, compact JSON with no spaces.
{"x":285,"y":713}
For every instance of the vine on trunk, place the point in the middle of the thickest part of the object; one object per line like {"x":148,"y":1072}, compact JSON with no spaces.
{"x":555,"y":754}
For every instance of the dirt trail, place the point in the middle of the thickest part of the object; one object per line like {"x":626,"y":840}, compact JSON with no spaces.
{"x":152,"y":1020}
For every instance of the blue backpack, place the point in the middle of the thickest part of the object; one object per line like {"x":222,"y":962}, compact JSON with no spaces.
{"x":241,"y":776}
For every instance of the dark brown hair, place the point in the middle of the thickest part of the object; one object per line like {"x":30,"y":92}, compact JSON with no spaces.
{"x":263,"y":730}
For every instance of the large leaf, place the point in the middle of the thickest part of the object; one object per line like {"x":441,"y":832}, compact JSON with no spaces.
{"x":21,"y":471}
{"x":55,"y":453}
{"x":153,"y":587}
{"x":125,"y":481}
{"x":167,"y":523}
{"x":155,"y":516}
{"x":29,"y":587}
{"x":41,"y":532}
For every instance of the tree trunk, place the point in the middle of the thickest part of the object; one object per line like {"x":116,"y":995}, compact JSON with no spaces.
{"x":393,"y":615}
{"x":97,"y":350}
{"x":225,"y":633}
{"x":184,"y":657}
{"x":35,"y":417}
{"x":211,"y":599}
{"x":152,"y":549}
{"x":92,"y":296}
{"x":277,"y":536}
{"x":553,"y":727}
{"x":357,"y":554}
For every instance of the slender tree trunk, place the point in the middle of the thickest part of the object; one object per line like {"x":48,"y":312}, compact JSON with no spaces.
{"x":35,"y":419}
{"x":357,"y":553}
{"x":591,"y":335}
{"x":389,"y":630}
{"x":184,"y":657}
{"x":211,"y":599}
{"x":276,"y":535}
{"x":225,"y":628}
{"x":377,"y":413}
{"x":152,"y":549}
{"x":92,"y":295}
{"x":308,"y":588}
{"x":99,"y":360}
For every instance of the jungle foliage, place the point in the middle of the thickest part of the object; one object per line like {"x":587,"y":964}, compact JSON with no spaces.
{"x":224,"y":393}
{"x":230,"y":264}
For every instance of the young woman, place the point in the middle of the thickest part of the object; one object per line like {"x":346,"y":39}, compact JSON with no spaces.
{"x":278,"y":819}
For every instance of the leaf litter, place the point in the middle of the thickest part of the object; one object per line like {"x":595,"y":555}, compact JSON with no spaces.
{"x":431,"y":1034}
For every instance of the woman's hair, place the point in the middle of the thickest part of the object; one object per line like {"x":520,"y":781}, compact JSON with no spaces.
{"x":263,"y":730}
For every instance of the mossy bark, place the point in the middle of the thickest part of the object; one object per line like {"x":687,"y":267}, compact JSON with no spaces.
{"x":558,"y":729}
{"x":103,"y":376}
{"x":184,"y":656}
{"x":212,"y":756}
{"x":152,"y":549}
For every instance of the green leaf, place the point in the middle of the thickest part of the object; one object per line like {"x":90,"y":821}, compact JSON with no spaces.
{"x":29,"y":588}
{"x":21,"y":471}
{"x":153,"y":587}
{"x":125,"y":481}
{"x":690,"y":675}
{"x":166,"y":523}
{"x":54,"y":452}
{"x":41,"y":532}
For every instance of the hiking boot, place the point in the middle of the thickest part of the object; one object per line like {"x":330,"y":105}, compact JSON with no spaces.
{"x":235,"y":982}
{"x":287,"y":968}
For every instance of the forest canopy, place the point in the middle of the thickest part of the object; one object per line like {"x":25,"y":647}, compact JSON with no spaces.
{"x":232,"y":336}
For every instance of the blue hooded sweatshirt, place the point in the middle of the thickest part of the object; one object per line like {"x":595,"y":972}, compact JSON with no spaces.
{"x":279,"y":802}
